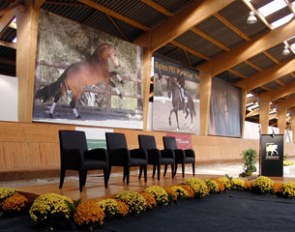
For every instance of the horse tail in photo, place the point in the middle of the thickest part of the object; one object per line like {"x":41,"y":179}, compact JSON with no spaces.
{"x":50,"y":90}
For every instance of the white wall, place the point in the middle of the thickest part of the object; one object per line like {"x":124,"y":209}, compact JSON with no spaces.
{"x":8,"y":98}
{"x":252,"y":131}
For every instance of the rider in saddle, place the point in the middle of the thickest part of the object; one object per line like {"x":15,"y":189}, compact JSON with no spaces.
{"x":181,"y":83}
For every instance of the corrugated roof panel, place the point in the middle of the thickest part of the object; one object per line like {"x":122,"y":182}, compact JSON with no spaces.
{"x":278,"y":14}
{"x":272,"y":85}
{"x":262,"y":61}
{"x":173,"y":6}
{"x":8,"y":34}
{"x":101,"y":22}
{"x":216,"y":29}
{"x":228,"y":77}
{"x":198,"y":43}
{"x":179,"y":56}
{"x":76,"y":12}
{"x":287,"y":79}
{"x":244,"y":69}
{"x":136,"y":10}
{"x":237,"y":14}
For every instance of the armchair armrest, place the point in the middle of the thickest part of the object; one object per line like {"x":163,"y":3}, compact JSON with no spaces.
{"x":119,"y":156}
{"x":179,"y":155}
{"x":154,"y":155}
{"x":139,"y":153}
{"x":168,"y":153}
{"x":72,"y":158}
{"x":97,"y":154}
{"x":190,"y":153}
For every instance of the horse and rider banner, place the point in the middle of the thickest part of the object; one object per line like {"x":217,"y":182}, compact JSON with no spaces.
{"x":271,"y":155}
{"x":86,"y":77}
{"x":176,"y":101}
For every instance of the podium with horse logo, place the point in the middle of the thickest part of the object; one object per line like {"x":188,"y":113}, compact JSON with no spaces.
{"x":271,"y":154}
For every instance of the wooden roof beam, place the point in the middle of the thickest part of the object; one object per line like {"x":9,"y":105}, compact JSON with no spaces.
{"x":248,"y":49}
{"x":190,"y":50}
{"x":8,"y":44}
{"x":179,"y":23}
{"x":282,"y":91}
{"x":38,"y":4}
{"x":158,"y":8}
{"x":273,"y":73}
{"x":6,"y":19}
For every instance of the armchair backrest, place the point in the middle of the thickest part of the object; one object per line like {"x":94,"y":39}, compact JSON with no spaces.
{"x":169,"y":142}
{"x":70,"y":139}
{"x":115,"y":141}
{"x":147,"y":142}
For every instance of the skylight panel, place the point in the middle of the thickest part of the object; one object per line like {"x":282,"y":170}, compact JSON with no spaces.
{"x":272,"y":7}
{"x":282,"y":21}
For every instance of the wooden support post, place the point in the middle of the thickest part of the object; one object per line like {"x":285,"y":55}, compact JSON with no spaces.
{"x":27,"y":31}
{"x":281,"y":112}
{"x":205,"y":94}
{"x":264,"y":112}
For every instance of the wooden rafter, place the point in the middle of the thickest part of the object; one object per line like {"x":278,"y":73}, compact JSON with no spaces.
{"x":253,"y":65}
{"x":158,"y":8}
{"x":8,"y":44}
{"x":280,"y":82}
{"x":237,"y":73}
{"x":115,"y":14}
{"x":265,"y":88}
{"x":282,"y":91}
{"x":38,"y":4}
{"x":6,"y":19}
{"x":187,"y":58}
{"x":63,"y":3}
{"x":209,"y":38}
{"x":248,"y":49}
{"x":117,"y":27}
{"x":179,"y":23}
{"x":271,"y":57}
{"x":273,"y":73}
{"x":190,"y":50}
{"x":231,"y":26}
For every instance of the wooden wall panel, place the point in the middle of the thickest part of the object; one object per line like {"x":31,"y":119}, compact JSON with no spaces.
{"x":32,"y":147}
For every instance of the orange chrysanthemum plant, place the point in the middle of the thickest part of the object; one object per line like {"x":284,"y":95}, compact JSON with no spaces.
{"x":278,"y":188}
{"x":150,"y":200}
{"x":89,"y":215}
{"x":248,"y":185}
{"x":123,"y":208}
{"x":172,"y":196}
{"x":17,"y":203}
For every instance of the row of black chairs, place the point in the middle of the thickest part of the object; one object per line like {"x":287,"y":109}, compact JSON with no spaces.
{"x":76,"y":156}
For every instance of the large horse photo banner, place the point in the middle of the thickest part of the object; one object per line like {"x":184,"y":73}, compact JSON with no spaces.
{"x":176,"y":103}
{"x":86,"y":77}
{"x":225,"y":109}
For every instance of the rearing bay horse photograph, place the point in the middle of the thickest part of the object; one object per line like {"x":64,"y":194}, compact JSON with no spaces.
{"x":88,"y":72}
{"x":84,"y":76}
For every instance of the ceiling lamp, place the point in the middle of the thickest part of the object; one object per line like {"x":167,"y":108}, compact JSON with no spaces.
{"x":286,"y":51}
{"x":251,"y":18}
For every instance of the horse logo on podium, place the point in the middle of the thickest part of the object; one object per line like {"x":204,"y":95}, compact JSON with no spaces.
{"x":271,"y":151}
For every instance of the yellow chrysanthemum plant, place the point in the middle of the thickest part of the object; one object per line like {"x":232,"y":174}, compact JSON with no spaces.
{"x":52,"y":210}
{"x":262,"y":184}
{"x":89,"y":215}
{"x":159,"y":193}
{"x":180,"y":192}
{"x":199,"y":186}
{"x":237,"y":184}
{"x":135,"y":201}
{"x":226,"y":181}
{"x":288,"y":189}
{"x":212,"y":186}
{"x":113,"y":207}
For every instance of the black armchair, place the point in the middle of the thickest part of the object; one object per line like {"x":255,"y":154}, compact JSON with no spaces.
{"x":120,"y":155}
{"x":181,"y":156}
{"x":74,"y":155}
{"x":155,"y":156}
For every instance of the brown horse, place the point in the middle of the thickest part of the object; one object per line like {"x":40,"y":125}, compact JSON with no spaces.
{"x":178,"y":102}
{"x":89,"y":72}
